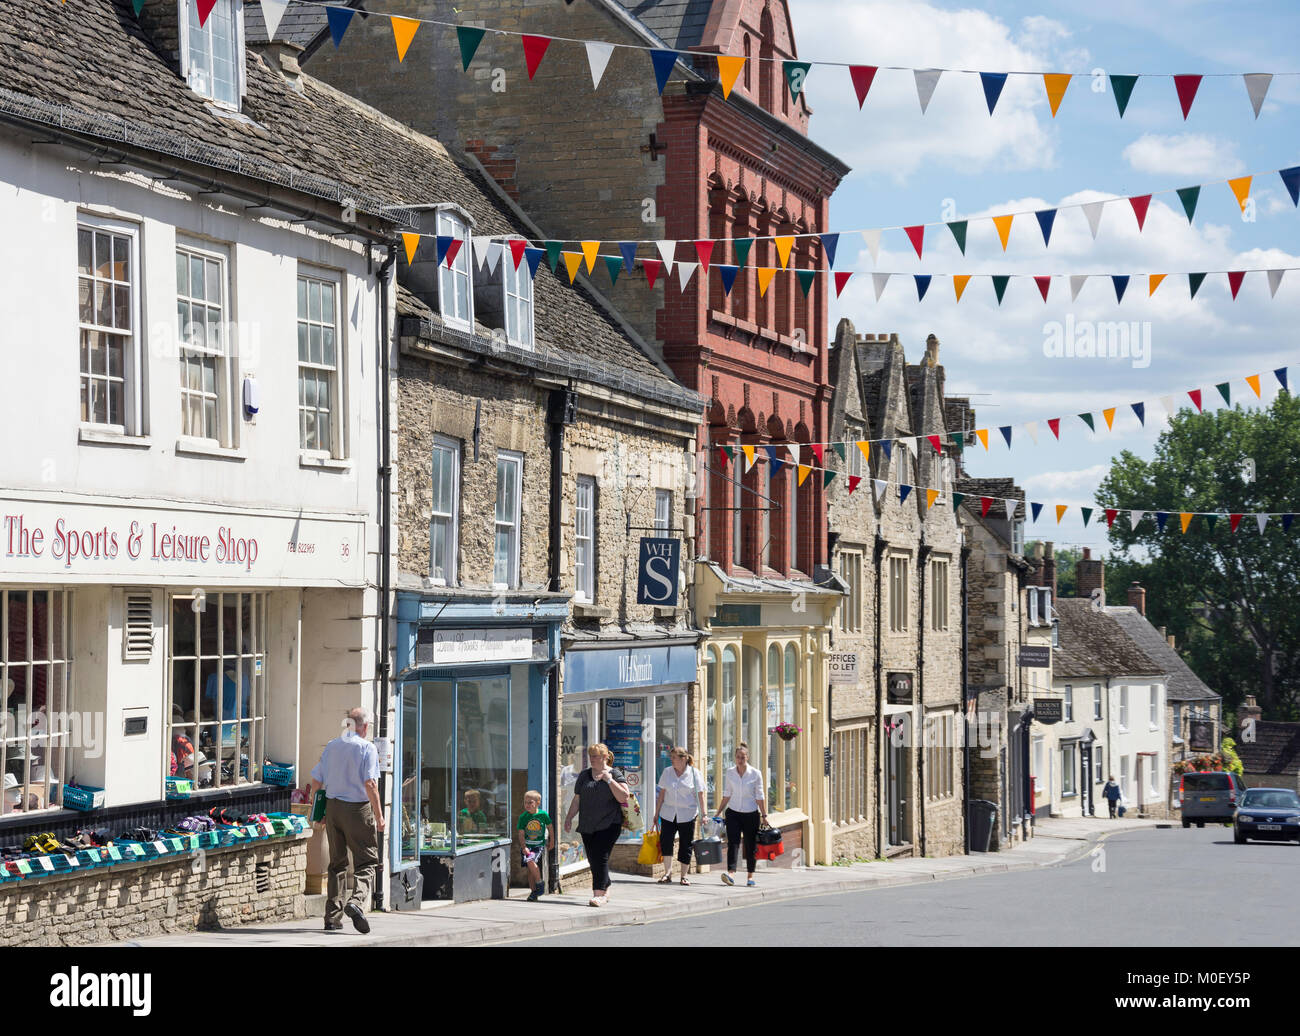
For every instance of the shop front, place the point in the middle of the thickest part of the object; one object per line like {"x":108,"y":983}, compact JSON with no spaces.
{"x":472,"y":729}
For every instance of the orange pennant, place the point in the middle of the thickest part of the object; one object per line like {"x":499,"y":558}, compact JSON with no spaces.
{"x":783,"y":246}
{"x":572,"y":260}
{"x":1154,"y":280}
{"x":865,"y":447}
{"x":1253,"y":381}
{"x":1003,"y":223}
{"x":765,"y":275}
{"x":930,"y":495}
{"x":590,"y":249}
{"x":748,"y":450}
{"x":1109,"y":415}
{"x":1060,"y":511}
{"x":412,"y":242}
{"x":803,"y":468}
{"x":1241,"y":188}
{"x":1185,"y":518}
{"x":728,"y":69}
{"x":983,"y":434}
{"x":959,"y":282}
{"x":403,"y":33}
{"x":1056,"y":82}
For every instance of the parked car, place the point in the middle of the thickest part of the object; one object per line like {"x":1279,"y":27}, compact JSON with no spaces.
{"x":1268,"y":813}
{"x":1210,"y":795}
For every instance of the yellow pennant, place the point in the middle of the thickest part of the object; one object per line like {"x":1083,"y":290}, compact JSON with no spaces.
{"x":1155,"y":280}
{"x":748,"y":450}
{"x":959,"y":282}
{"x":403,"y":33}
{"x":572,"y":260}
{"x":783,"y":246}
{"x":1056,"y":82}
{"x":865,"y":447}
{"x":590,"y":249}
{"x":1185,"y":518}
{"x":1253,"y":381}
{"x":765,"y":275}
{"x":803,"y":468}
{"x":1109,"y":415}
{"x":930,"y":495}
{"x":1003,"y":223}
{"x":412,"y":242}
{"x":1060,"y":510}
{"x":1241,"y":188}
{"x":983,"y":434}
{"x":728,"y":69}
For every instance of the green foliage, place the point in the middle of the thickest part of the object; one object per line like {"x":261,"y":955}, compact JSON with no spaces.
{"x":1231,"y":760}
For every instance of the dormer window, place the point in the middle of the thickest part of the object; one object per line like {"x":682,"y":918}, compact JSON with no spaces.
{"x":455,"y":283}
{"x":212,"y":54}
{"x":504,"y":296}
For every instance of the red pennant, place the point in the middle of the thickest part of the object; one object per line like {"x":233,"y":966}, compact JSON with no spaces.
{"x":1196,"y":398}
{"x":862,"y":76}
{"x":534,"y":50}
{"x":1234,"y":520}
{"x":841,"y":279}
{"x":652,"y":268}
{"x":1054,"y":423}
{"x":934,"y":441}
{"x":853,"y":482}
{"x":985,"y":503}
{"x":517,"y":250}
{"x":452,"y":249}
{"x":1186,"y":87}
{"x":817,"y":449}
{"x":704,"y":249}
{"x":722,"y":456}
{"x":1111,"y":512}
{"x":916,"y":235}
{"x":205,"y":9}
{"x":1234,"y":280}
{"x":1043,"y":284}
{"x":1140,"y":204}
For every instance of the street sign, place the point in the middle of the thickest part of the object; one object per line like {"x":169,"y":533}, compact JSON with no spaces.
{"x":1048,"y":710}
{"x":1035,"y":657}
{"x":843,"y":666}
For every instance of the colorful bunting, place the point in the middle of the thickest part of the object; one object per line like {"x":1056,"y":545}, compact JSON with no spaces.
{"x":1235,"y":278}
{"x":805,"y":279}
{"x":917,"y":236}
{"x":1044,"y":283}
{"x":615,"y":266}
{"x":1186,"y":87}
{"x":1253,"y":382}
{"x":862,"y":76}
{"x":1140,"y":409}
{"x":1140,"y":204}
{"x":339,"y":20}
{"x":926,"y":80}
{"x":534,"y":51}
{"x":983,"y":435}
{"x":930,"y":496}
{"x":553,"y":249}
{"x":205,"y":8}
{"x":664,"y":60}
{"x":1000,"y":281}
{"x":1122,"y":86}
{"x":993,"y":82}
{"x":774,"y":462}
{"x":922,"y":285}
{"x":1060,"y":512}
{"x":841,"y":279}
{"x":590,"y":249}
{"x":1153,"y":282}
{"x":403,"y":33}
{"x":1280,"y":374}
{"x":534,"y":257}
{"x":598,"y":55}
{"x":518,"y":246}
{"x":1291,"y":180}
{"x":985,"y":503}
{"x":1006,"y":434}
{"x":959,"y":282}
{"x":1046,"y":217}
{"x":765,"y":275}
{"x":1111,"y":515}
{"x":728,"y":275}
{"x":1077,"y":282}
{"x":1003,"y":224}
{"x":1093,"y":210}
{"x":729,"y":68}
{"x":879,"y":280}
{"x":903,"y":491}
{"x":272,"y":12}
{"x":1055,"y":83}
{"x":1036,"y":509}
{"x":1195,"y":395}
{"x":469,"y":37}
{"x":411,"y":242}
{"x":1109,"y":415}
{"x":1087,"y":419}
{"x":854,"y":482}
{"x":1185,"y":518}
{"x":1087,"y":514}
{"x":1224,"y":392}
{"x":748,"y":450}
{"x":684,"y":273}
{"x":1121,"y":285}
{"x":1241,"y":190}
{"x":830,"y":242}
{"x":796,"y":72}
{"x":827,"y":476}
{"x":872,"y":239}
{"x":1161,"y":518}
{"x":803,"y":470}
{"x":1194,"y":283}
{"x":1274,"y":279}
{"x":572,"y":261}
{"x":1189,"y":196}
{"x":704,"y":249}
{"x":666,"y":250}
{"x":783,"y":245}
{"x":1134,"y":517}
{"x":1054,"y":423}
{"x":1233,"y":521}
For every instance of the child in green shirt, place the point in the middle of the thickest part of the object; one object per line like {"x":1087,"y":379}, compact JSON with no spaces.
{"x":535,"y":832}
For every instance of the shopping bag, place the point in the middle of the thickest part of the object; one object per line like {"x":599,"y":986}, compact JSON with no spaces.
{"x":632,"y":814}
{"x":650,"y":854}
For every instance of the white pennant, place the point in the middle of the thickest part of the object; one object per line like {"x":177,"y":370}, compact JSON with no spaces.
{"x":926,"y":80}
{"x":1168,"y":403}
{"x":598,"y":57}
{"x":872,"y":238}
{"x":494,"y":257}
{"x":1257,"y":84}
{"x":480,"y":247}
{"x":684,"y":272}
{"x":1274,"y":279}
{"x":666,"y":250}
{"x":1261,"y":520}
{"x":1032,"y":428}
{"x":880,"y":280}
{"x":1093,"y":211}
{"x":1011,"y":509}
{"x":1076,"y":282}
{"x":880,"y":485}
{"x":273,"y":11}
{"x":1134,"y":517}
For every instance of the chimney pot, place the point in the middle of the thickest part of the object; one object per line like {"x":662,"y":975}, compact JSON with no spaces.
{"x":1137,"y":598}
{"x":1089,"y":574}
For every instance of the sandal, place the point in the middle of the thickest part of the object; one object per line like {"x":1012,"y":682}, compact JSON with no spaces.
{"x":684,"y":881}
{"x":667,"y":879}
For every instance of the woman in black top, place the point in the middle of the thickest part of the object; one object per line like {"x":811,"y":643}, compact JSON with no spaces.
{"x":599,"y":794}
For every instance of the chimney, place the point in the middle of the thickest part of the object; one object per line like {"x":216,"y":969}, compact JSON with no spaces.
{"x":1171,"y":641}
{"x":1250,"y":710}
{"x":281,"y":56}
{"x":1137,"y":598}
{"x":1049,"y":568}
{"x":932,"y":351}
{"x":1089,"y":574}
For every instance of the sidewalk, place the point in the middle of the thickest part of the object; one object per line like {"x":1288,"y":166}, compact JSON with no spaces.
{"x":637,"y":900}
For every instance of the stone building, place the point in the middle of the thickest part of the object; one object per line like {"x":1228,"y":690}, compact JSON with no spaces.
{"x":1269,"y":749}
{"x":897,"y":769}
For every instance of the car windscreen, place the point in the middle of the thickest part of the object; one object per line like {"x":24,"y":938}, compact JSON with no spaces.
{"x":1270,"y":800}
{"x":1206,"y":782}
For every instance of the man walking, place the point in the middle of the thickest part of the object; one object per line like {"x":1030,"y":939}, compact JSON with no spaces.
{"x":1112,"y":793}
{"x":354,"y":819}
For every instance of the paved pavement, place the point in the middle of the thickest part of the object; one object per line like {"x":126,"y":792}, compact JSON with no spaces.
{"x":636,"y":900}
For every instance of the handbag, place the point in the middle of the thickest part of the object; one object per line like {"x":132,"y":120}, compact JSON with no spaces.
{"x":650,"y":853}
{"x":632,"y":814}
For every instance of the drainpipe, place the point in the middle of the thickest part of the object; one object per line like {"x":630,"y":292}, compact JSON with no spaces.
{"x":562,"y":409}
{"x":881,"y":742}
{"x":922,"y":555}
{"x":385,"y":542}
{"x":965,"y":683}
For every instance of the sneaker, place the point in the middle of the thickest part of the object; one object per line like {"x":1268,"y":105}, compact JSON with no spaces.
{"x":532,"y":897}
{"x":594,"y":901}
{"x":539,"y":890}
{"x":727,"y":879}
{"x":359,"y":921}
{"x":751,"y":883}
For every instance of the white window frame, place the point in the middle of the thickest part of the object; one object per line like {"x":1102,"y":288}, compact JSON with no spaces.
{"x":1018,"y":536}
{"x":1096,"y":701}
{"x":450,"y":519}
{"x":334,"y":374}
{"x":1178,"y":720}
{"x":1033,"y":606}
{"x":851,"y":605}
{"x":1069,"y":769}
{"x":898,"y":600}
{"x":511,"y":521}
{"x":1123,"y":776}
{"x":663,"y":512}
{"x":939,"y":574}
{"x":516,"y":296}
{"x":1069,"y":703}
{"x":584,"y":549}
{"x":855,"y":454}
{"x":1153,"y":774}
{"x":187,"y":9}
{"x":1123,"y":707}
{"x":1153,"y":708}
{"x":224,"y":374}
{"x":132,"y":351}
{"x":450,"y":223}
{"x":1039,"y":751}
{"x":849,"y":748}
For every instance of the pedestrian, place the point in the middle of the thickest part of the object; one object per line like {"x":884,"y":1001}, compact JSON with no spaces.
{"x":1111,"y":792}
{"x":743,"y":784}
{"x":679,"y":802}
{"x":349,"y":772}
{"x":536,"y":833}
{"x":599,"y":794}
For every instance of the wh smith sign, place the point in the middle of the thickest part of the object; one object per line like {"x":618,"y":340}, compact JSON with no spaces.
{"x":657,"y":570}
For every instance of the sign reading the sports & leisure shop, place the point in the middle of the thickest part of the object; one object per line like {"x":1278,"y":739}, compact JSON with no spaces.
{"x":843,"y":666}
{"x":657,"y":571}
{"x":75,"y":541}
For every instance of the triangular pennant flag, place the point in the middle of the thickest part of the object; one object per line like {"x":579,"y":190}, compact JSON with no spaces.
{"x":590,"y":249}
{"x":724,"y":455}
{"x":872,"y":238}
{"x":879,"y":280}
{"x":1003,"y":223}
{"x":480,"y":247}
{"x":1274,"y":279}
{"x":1123,"y":89}
{"x":765,"y":275}
{"x":983,"y":435}
{"x":1256,"y":87}
{"x":684,"y":274}
{"x":960,"y":439}
{"x":818,"y":451}
{"x":452,"y":250}
{"x":930,"y":496}
{"x":1109,"y":415}
{"x":553,"y":249}
{"x":864,"y":447}
{"x":805,"y":279}
{"x":1234,"y":280}
{"x":1087,"y":419}
{"x":1140,"y":204}
{"x":138,"y":6}
{"x":1291,"y":180}
{"x":1233,"y":521}
{"x":917,"y":236}
{"x":205,"y":9}
{"x":1161,"y":518}
{"x":1006,"y":434}
{"x":1055,"y":82}
{"x":1054,"y":423}
{"x":922,"y":284}
{"x":728,"y":275}
{"x":572,"y":263}
{"x":1153,"y":282}
{"x":1032,"y":428}
{"x":272,"y":12}
{"x":615,"y":266}
{"x":412,"y":242}
{"x":1121,"y":285}
{"x":1194,"y":282}
{"x":742,"y":245}
{"x":1189,"y":196}
{"x":1261,"y":520}
{"x":888,"y":445}
{"x":652,"y":268}
{"x":1241,"y":190}
{"x":1087,"y":514}
{"x":517,"y":247}
{"x":1000,"y":281}
{"x":1077,"y":281}
{"x":1170,"y":406}
{"x":1140,"y":409}
{"x":839,"y":448}
{"x":936,"y":442}
{"x":958,"y":228}
{"x":774,"y":462}
{"x":862,"y":75}
{"x":1223,"y":391}
{"x":598,"y":55}
{"x":1185,"y":517}
{"x":1093,"y":211}
{"x":1253,"y":381}
{"x":339,"y":19}
{"x":729,"y":68}
{"x":993,"y":82}
{"x":704,"y":249}
{"x":1287,"y":519}
{"x":926,"y":80}
{"x":854,"y":482}
{"x":841,"y":279}
{"x":1036,"y":509}
{"x":628,"y":251}
{"x":830,"y":242}
{"x":1060,"y":512}
{"x":469,"y":37}
{"x":783,"y":246}
{"x":827,"y":476}
{"x":1044,"y":283}
{"x":443,"y":242}
{"x":748,"y":450}
{"x":534,"y":258}
{"x":803,"y":472}
{"x":1280,"y":374}
{"x":1195,"y":395}
{"x":666,"y":252}
{"x":903,"y":491}
{"x":1134,"y":517}
{"x":1111,"y":514}
{"x":957,"y":498}
{"x":664,"y":60}
{"x":795,"y":74}
{"x":1046,"y":217}
{"x":534,"y":51}
{"x":959,"y":282}
{"x":403,"y":33}
{"x":1186,"y":87}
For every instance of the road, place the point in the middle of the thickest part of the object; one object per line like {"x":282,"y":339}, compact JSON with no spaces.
{"x":1153,"y":887}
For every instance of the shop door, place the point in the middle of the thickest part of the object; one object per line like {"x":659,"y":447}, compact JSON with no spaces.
{"x":896,"y":773}
{"x":577,"y":731}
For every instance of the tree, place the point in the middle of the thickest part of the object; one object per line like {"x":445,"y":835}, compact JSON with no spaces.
{"x":1230,"y":598}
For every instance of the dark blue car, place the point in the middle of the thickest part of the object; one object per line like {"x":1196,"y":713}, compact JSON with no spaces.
{"x":1271,"y":814}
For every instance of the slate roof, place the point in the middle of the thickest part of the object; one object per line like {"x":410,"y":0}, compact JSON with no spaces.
{"x":1184,"y":685}
{"x":1094,"y":644}
{"x":1275,"y":750}
{"x":301,"y":23}
{"x":89,"y":66}
{"x":679,"y":23}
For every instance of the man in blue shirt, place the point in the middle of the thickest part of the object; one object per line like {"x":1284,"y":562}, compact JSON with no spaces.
{"x":354,"y":819}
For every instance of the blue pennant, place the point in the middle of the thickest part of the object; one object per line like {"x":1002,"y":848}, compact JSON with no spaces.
{"x":444,"y":243}
{"x":993,"y":84}
{"x":1035,"y":508}
{"x":776,"y":461}
{"x":1287,"y":519}
{"x":902,"y":493}
{"x":340,"y":18}
{"x":1120,"y":281}
{"x":1161,"y":518}
{"x":664,"y":61}
{"x":1141,"y":410}
{"x":1291,"y":177}
{"x":628,"y":248}
{"x":1045,"y":220}
{"x":1280,"y":374}
{"x":830,"y":242}
{"x":534,"y":256}
{"x":1006,"y":434}
{"x":728,"y":275}
{"x":888,"y":444}
{"x":922,"y":284}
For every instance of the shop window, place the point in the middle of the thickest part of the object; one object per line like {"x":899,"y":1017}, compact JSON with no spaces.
{"x":789,"y":714}
{"x":319,"y":410}
{"x":585,"y":540}
{"x":202,"y":314}
{"x":1069,"y":769}
{"x":505,"y":555}
{"x":444,"y":520}
{"x":712,"y":777}
{"x":36,"y":725}
{"x":848,"y":775}
{"x":455,"y":282}
{"x":108,"y":315}
{"x":753,"y":719}
{"x":727,"y":709}
{"x":213,"y":52}
{"x":940,"y":741}
{"x":217,"y":661}
{"x":939,"y":596}
{"x":774,"y":664}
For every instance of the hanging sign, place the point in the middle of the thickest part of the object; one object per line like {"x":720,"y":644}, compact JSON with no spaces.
{"x":1048,"y":710}
{"x":657,"y":571}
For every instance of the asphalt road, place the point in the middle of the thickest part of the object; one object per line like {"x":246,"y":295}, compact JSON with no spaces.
{"x":1152,"y":887}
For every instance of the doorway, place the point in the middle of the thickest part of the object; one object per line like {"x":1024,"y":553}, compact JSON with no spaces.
{"x":897,"y":771}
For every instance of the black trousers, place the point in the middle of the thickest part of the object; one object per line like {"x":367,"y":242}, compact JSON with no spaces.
{"x":668,"y":830}
{"x":738,"y":825}
{"x":1112,"y":803}
{"x":598,"y":845}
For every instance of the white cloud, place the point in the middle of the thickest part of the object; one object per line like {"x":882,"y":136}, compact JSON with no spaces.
{"x":1065,"y":481}
{"x":1184,"y":154}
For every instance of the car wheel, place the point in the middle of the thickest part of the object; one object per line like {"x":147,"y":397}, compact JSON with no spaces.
{"x":1239,"y":838}
{"x":1186,"y":824}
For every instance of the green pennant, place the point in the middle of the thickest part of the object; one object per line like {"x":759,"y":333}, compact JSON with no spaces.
{"x":1223,"y":391}
{"x":730,"y":452}
{"x":1188,"y":196}
{"x":1123,"y":87}
{"x":839,"y":448}
{"x":553,"y":250}
{"x":469,"y":37}
{"x":1194,"y":282}
{"x":138,"y":5}
{"x":613,"y":264}
{"x":1000,"y":285}
{"x":960,"y":439}
{"x":957,"y":498}
{"x":805,"y":280}
{"x":741,"y":245}
{"x":1210,"y":521}
{"x":1087,"y":514}
{"x":959,"y":234}
{"x":795,"y":74}
{"x":827,"y":475}
{"x":1087,"y":419}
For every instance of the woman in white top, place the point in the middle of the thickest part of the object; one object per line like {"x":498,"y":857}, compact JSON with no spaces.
{"x":743,"y":784}
{"x":679,"y":802}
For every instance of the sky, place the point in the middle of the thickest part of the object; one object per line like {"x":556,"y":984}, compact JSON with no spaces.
{"x":957,"y":162}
